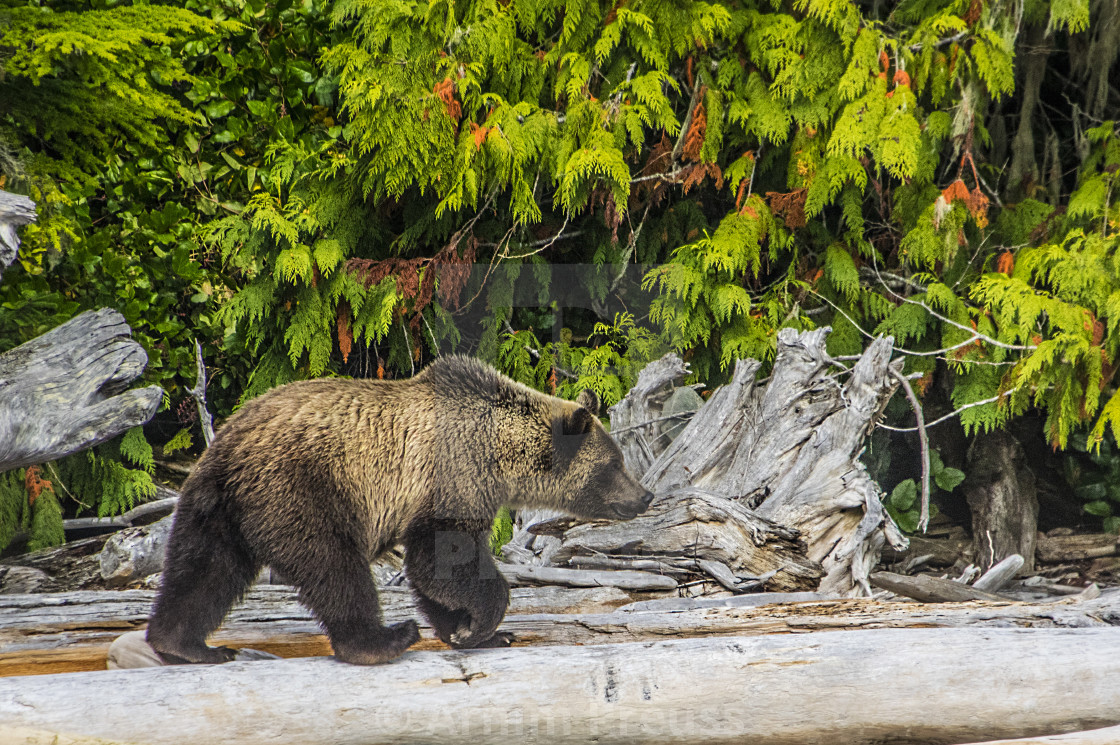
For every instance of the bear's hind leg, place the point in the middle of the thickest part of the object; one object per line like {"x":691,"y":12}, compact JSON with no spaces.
{"x":339,"y":589}
{"x":208,"y":568}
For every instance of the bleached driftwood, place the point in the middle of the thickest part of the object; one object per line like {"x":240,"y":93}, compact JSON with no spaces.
{"x":999,"y":575}
{"x":637,"y":423}
{"x":803,"y":469}
{"x":763,"y":479}
{"x":972,"y":685}
{"x":15,"y":212}
{"x":64,"y":391}
{"x":74,"y":630}
{"x":623,"y":579}
{"x":691,"y":525}
{"x":929,"y":589}
{"x":64,"y":632}
{"x":134,"y":553}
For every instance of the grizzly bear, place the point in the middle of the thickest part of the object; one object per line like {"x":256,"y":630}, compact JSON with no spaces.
{"x":316,"y":479}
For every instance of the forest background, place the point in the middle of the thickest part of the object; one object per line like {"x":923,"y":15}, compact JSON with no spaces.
{"x":353,"y":188}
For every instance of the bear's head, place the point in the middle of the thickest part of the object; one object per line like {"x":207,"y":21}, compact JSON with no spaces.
{"x":591,"y":480}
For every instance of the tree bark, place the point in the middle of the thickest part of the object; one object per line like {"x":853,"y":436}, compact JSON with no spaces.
{"x":65,"y":391}
{"x":1000,"y":490}
{"x":946,"y":686}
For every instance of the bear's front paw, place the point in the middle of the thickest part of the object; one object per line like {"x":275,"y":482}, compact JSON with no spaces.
{"x":463,"y":639}
{"x":389,"y":644}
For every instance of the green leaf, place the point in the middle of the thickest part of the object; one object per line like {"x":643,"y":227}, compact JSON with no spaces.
{"x":1099,"y":508}
{"x":904,"y":495}
{"x":218,"y":109}
{"x":948,"y":479}
{"x":907,"y":521}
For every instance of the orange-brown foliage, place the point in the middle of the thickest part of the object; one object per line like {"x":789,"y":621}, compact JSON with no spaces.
{"x":345,"y":333}
{"x":35,"y":484}
{"x":1005,"y":264}
{"x":694,"y":138}
{"x":790,"y":206}
{"x":445,"y":89}
{"x":695,"y":174}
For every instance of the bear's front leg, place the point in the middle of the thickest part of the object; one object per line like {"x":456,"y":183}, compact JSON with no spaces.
{"x":457,"y":586}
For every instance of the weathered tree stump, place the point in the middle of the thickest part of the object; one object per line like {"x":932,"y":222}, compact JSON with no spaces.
{"x":763,"y":485}
{"x":65,"y":390}
{"x":1000,"y":490}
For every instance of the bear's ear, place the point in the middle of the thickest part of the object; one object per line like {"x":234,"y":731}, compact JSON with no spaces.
{"x":578,"y":422}
{"x":589,"y":400}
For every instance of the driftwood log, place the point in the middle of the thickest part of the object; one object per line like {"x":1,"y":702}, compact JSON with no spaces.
{"x":65,"y":632}
{"x":761,"y":487}
{"x":15,"y":212}
{"x":960,"y":686}
{"x":72,"y":631}
{"x":65,"y":391}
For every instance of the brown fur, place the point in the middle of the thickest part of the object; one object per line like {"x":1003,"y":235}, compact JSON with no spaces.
{"x":317,"y":478}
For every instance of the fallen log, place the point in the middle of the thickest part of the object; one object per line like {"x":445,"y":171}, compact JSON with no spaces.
{"x":72,"y":566}
{"x":1062,"y":548}
{"x":929,"y":589}
{"x":64,"y":391}
{"x":73,"y":631}
{"x":973,"y":685}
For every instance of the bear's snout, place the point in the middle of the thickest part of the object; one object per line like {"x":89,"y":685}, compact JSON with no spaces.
{"x":631,"y":508}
